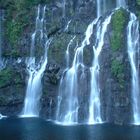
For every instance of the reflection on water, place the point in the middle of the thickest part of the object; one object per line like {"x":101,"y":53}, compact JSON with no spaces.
{"x":38,"y":129}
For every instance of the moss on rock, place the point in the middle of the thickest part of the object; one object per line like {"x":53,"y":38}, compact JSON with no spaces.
{"x":137,"y":9}
{"x":58,"y":48}
{"x":138,"y":2}
{"x":18,"y":18}
{"x":117,"y":69}
{"x":8,"y":76}
{"x":119,"y":21}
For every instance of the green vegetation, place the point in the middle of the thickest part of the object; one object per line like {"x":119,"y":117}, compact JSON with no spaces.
{"x":20,"y":4}
{"x":8,"y":76}
{"x":14,"y":30}
{"x":118,"y":23}
{"x":59,"y":48}
{"x":57,"y":51}
{"x":3,"y":100}
{"x":117,"y":70}
{"x":5,"y":75}
{"x":18,"y":14}
{"x":17,"y":20}
{"x":138,"y":8}
{"x":138,"y":2}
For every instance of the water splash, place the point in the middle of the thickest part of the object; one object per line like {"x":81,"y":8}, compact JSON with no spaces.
{"x":2,"y":116}
{"x":133,"y":48}
{"x":36,"y":70}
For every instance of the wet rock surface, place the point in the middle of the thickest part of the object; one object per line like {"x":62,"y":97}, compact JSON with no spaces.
{"x":115,"y":95}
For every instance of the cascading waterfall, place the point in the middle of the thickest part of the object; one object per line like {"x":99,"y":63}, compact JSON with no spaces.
{"x":68,"y":52}
{"x":68,"y":104}
{"x":60,"y":116}
{"x":133,"y":48}
{"x":94,"y":101}
{"x":67,"y":108}
{"x":36,"y":70}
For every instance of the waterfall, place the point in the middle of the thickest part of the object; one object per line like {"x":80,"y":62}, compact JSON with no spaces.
{"x":36,"y":69}
{"x":94,"y":101}
{"x":133,"y":44}
{"x":99,"y":9}
{"x":121,"y":3}
{"x":68,"y":105}
{"x":67,"y":100}
{"x":66,"y":28}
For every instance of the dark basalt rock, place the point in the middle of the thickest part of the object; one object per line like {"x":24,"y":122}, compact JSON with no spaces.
{"x":115,"y":99}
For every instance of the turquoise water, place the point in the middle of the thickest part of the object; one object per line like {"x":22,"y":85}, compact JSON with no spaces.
{"x":38,"y":129}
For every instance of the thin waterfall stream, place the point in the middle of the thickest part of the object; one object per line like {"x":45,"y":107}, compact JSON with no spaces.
{"x":36,"y":70}
{"x":121,"y":3}
{"x":133,"y":51}
{"x":64,"y":104}
{"x":133,"y":54}
{"x":94,"y":106}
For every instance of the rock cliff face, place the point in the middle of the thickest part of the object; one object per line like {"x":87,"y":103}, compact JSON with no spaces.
{"x":19,"y":23}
